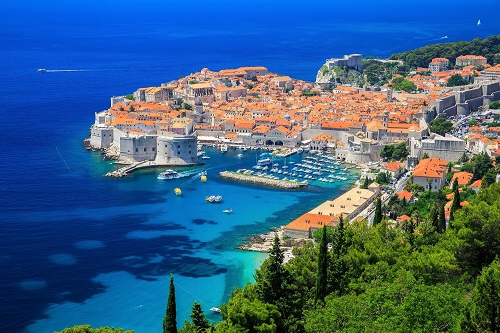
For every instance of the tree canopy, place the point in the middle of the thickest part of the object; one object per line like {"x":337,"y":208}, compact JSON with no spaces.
{"x":440,"y":126}
{"x":421,"y":57}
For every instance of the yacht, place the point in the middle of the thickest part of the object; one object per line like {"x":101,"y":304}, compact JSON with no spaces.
{"x":168,"y":174}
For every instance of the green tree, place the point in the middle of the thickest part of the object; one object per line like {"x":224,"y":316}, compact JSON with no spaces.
{"x":88,"y":329}
{"x":440,"y":126}
{"x":441,"y":219}
{"x":456,"y":80}
{"x":377,"y":217}
{"x":485,"y":309}
{"x":478,"y":230}
{"x":170,"y":319}
{"x":245,"y":313}
{"x":489,"y":178}
{"x":455,"y":205}
{"x":200,"y":322}
{"x":322,"y":278}
{"x":481,"y":163}
{"x":271,"y":276}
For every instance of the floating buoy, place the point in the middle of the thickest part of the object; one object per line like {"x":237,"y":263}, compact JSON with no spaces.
{"x":177,"y":191}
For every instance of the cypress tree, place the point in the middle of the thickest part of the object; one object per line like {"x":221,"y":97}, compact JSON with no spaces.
{"x":377,"y":218}
{"x":170,"y":319}
{"x":434,"y":217}
{"x":455,"y":205}
{"x":271,"y":276}
{"x":442,"y":219}
{"x":321,"y":277}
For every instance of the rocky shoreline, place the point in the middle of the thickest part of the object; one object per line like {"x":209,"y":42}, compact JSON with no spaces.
{"x":282,"y":184}
{"x":264,"y":243}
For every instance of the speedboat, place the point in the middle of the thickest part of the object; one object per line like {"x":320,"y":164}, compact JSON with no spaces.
{"x":227,"y":211}
{"x":168,"y":174}
{"x":214,"y":309}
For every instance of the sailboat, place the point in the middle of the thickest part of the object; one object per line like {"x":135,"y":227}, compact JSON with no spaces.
{"x":478,"y":23}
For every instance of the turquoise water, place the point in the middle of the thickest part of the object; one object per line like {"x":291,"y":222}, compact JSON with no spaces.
{"x":161,"y":234}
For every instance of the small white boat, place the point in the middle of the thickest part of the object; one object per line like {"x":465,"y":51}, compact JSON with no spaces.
{"x":214,"y":309}
{"x":227,"y":211}
{"x":168,"y":174}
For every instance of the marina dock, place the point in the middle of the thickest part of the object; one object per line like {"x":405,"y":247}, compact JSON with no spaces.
{"x":260,"y":180}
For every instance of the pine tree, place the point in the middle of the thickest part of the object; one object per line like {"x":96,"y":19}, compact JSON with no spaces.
{"x":321,"y":277}
{"x":199,"y":319}
{"x":377,"y":218}
{"x":170,"y":319}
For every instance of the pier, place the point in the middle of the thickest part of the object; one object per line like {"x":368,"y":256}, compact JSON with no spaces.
{"x":128,"y":169}
{"x":259,"y":180}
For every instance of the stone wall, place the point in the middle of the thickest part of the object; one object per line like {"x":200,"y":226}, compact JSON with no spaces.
{"x":138,"y":148}
{"x":177,"y":150}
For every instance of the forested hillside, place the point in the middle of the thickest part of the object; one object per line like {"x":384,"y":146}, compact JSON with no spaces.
{"x":421,"y":57}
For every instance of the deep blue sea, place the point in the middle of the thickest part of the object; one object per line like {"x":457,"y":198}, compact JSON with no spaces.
{"x":76,"y":247}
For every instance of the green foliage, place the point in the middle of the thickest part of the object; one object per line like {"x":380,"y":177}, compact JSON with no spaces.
{"x":322,"y":279}
{"x":170,"y":319}
{"x":440,"y":126}
{"x":402,"y":306}
{"x":456,"y":80}
{"x":383,"y":178}
{"x":377,"y":217}
{"x":472,"y":122}
{"x":400,"y":83}
{"x":395,"y":152}
{"x":130,"y":97}
{"x":317,"y":234}
{"x":495,"y":105}
{"x":489,"y":178}
{"x":478,"y":230}
{"x":421,"y":57}
{"x":88,"y":329}
{"x":199,"y":323}
{"x":485,"y":309}
{"x":245,"y":313}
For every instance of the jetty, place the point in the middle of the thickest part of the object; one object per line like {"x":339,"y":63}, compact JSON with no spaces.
{"x":260,"y":180}
{"x":128,"y":169}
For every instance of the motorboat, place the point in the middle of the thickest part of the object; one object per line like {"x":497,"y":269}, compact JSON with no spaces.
{"x":227,"y":211}
{"x":264,"y":161}
{"x":168,"y":174}
{"x":214,"y":198}
{"x":214,"y":309}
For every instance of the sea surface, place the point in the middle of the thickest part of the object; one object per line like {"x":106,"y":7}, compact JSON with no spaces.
{"x":76,"y":247}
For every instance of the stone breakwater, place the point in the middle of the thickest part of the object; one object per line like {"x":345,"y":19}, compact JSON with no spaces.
{"x":259,"y":180}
